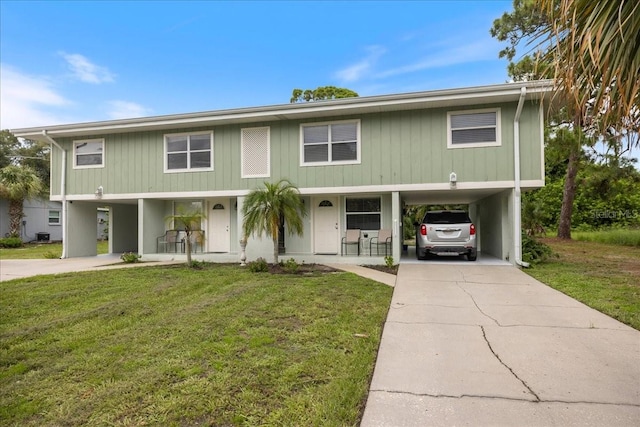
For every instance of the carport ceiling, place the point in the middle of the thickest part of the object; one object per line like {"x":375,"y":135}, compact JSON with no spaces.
{"x":447,"y":197}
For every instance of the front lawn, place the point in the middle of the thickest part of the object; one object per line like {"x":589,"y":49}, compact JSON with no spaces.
{"x":43,"y":250}
{"x":175,"y":346}
{"x":603,"y":276}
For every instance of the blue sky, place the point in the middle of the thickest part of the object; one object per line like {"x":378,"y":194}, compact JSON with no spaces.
{"x":69,"y":62}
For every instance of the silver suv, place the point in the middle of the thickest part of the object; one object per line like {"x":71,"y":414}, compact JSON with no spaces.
{"x":446,"y":233}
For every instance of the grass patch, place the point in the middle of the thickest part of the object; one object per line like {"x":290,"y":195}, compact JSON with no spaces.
{"x":603,"y":276}
{"x":624,"y":237}
{"x":43,"y":250}
{"x":177,"y":346}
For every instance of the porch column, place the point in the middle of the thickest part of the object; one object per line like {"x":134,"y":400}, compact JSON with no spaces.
{"x":81,"y":237}
{"x":396,"y":218}
{"x":123,"y":228}
{"x":151,"y":224}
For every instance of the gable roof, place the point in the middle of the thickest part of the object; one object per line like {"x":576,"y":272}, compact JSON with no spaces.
{"x":507,"y":92}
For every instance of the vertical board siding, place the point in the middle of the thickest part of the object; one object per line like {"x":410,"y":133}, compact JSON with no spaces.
{"x":401,"y":147}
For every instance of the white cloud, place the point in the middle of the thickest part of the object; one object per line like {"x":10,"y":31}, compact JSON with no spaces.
{"x":360,"y":69}
{"x":87,"y":71}
{"x":456,"y":54}
{"x":126,"y":110}
{"x":24,"y":100}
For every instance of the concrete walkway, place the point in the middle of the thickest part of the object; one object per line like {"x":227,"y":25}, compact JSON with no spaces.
{"x":489,"y":345}
{"x":17,"y":268}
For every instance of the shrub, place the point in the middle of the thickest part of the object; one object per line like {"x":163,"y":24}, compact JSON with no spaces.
{"x":389,"y":261}
{"x":130,"y":257}
{"x":534,"y":251}
{"x":197,"y":265}
{"x":10,"y":242}
{"x":290,"y":266}
{"x":258,"y":266}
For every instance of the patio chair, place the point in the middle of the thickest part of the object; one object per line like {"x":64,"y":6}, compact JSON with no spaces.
{"x":168,"y":239}
{"x":383,"y":239}
{"x":352,"y":237}
{"x":197,"y":239}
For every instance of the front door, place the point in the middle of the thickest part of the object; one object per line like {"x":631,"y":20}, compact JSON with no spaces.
{"x":219,"y":221}
{"x":325,"y":228}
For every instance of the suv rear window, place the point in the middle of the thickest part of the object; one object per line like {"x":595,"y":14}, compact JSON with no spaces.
{"x":446,"y":217}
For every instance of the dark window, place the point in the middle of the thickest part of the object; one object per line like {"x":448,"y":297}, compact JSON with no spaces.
{"x":363,"y":213}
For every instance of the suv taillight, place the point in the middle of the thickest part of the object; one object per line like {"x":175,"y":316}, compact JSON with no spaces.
{"x":472,"y":230}
{"x":423,"y":229}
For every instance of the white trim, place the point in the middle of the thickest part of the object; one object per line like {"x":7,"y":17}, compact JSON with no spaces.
{"x":75,"y":154}
{"x":357,"y":161}
{"x":498,"y":127}
{"x":242,"y":173}
{"x":59,"y":217}
{"x":371,"y":189}
{"x":188,"y":135}
{"x":508,"y":92}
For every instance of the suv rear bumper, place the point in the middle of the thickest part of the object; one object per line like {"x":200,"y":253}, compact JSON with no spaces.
{"x":447,"y":250}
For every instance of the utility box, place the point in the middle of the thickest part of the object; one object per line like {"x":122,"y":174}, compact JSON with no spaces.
{"x":43,"y":237}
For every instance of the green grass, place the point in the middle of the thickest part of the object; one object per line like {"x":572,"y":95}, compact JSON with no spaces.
{"x":603,"y":276}
{"x":625,"y":237}
{"x":43,"y":250}
{"x":175,"y":346}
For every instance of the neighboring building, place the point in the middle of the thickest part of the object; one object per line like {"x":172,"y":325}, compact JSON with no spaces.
{"x":42,"y":220}
{"x":357,"y":162}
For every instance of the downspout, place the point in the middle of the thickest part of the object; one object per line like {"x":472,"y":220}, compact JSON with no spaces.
{"x":63,"y":192}
{"x":517,"y":223}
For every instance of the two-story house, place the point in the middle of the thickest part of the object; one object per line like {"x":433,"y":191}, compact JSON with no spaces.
{"x":358,"y":162}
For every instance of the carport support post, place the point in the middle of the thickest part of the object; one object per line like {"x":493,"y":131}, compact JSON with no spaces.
{"x":398,"y":235}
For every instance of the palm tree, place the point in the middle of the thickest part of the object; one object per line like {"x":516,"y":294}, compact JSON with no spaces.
{"x":595,"y":52}
{"x":190,"y":220}
{"x":265,"y":207}
{"x":17,"y":184}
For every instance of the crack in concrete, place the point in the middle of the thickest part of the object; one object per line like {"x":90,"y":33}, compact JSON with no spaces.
{"x":481,"y":396}
{"x":484,"y":335}
{"x":477,"y":306}
{"x":509,"y":326}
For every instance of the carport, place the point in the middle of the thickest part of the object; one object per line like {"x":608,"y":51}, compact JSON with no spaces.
{"x":81,"y":227}
{"x":490,"y":209}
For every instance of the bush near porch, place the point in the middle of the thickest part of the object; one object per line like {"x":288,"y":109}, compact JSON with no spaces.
{"x":178,"y":346}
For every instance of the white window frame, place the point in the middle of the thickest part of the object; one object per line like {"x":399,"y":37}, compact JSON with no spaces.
{"x":496,"y":143}
{"x":346,"y":214}
{"x":188,"y":168}
{"x":59,"y":217}
{"x":332,"y":162}
{"x":174,"y":209}
{"x":75,"y":153}
{"x":242,"y":142}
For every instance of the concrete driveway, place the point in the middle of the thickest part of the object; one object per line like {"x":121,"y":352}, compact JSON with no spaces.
{"x":487,"y":345}
{"x":17,"y":268}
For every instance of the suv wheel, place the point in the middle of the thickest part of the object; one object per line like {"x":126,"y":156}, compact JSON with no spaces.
{"x":421,"y":255}
{"x":472,"y":256}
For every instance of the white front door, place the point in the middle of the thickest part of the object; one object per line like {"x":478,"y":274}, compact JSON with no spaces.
{"x":325,"y":225}
{"x":218,"y":234}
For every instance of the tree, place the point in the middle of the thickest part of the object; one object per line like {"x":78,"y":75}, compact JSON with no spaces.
{"x":17,"y":184}
{"x":321,"y":93}
{"x":29,"y":153}
{"x":264,"y":208}
{"x":190,"y":220}
{"x":595,"y":51}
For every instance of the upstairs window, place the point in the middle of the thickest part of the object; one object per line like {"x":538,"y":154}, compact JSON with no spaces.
{"x":189,"y":152}
{"x":330,"y":143}
{"x":477,"y":128}
{"x":363,"y":213}
{"x":88,"y":153}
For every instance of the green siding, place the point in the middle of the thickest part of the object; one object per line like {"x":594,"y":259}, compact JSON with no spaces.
{"x":404,"y":147}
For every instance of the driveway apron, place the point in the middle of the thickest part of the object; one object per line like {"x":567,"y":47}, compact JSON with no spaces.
{"x":489,"y":345}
